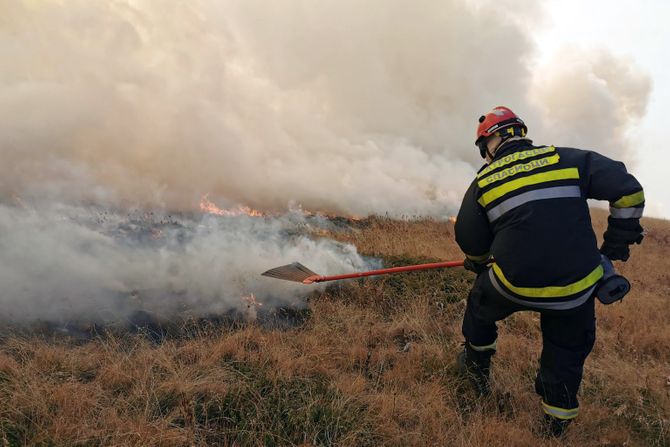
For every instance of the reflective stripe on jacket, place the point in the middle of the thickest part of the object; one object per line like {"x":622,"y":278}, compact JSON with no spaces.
{"x":528,"y":209}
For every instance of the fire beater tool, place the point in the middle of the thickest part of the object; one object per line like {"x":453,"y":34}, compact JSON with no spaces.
{"x":612,"y":288}
{"x":299,"y":273}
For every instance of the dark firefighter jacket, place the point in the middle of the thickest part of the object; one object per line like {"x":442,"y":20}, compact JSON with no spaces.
{"x":528,"y":209}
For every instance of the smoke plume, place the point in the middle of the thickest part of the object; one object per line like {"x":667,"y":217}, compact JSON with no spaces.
{"x":82,"y":263}
{"x":338,"y":106}
{"x":335,"y":105}
{"x":591,"y":101}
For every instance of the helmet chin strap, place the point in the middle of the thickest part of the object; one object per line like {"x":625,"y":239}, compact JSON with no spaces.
{"x":483,"y":149}
{"x":489,"y":155}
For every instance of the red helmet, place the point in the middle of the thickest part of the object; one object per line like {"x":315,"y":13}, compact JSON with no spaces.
{"x":497,"y":119}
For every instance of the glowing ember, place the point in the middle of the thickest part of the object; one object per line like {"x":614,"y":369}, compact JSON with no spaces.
{"x":207,"y":206}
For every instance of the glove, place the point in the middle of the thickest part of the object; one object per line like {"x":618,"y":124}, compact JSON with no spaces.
{"x":473,"y":266}
{"x":615,"y":251}
{"x":620,"y":236}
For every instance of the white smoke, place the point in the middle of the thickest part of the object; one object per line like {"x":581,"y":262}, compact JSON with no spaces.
{"x":591,"y":100}
{"x":340,"y":106}
{"x":334,"y":105}
{"x":79,"y":263}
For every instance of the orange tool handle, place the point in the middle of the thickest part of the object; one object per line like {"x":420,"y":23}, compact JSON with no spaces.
{"x":407,"y":268}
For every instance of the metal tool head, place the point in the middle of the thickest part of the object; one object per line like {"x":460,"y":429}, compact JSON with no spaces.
{"x":291,"y":272}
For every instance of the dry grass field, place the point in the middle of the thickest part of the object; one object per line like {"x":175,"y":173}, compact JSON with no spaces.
{"x":369,"y":363}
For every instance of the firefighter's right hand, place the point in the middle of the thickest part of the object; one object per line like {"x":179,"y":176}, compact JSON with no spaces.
{"x":473,"y":266}
{"x":615,"y":251}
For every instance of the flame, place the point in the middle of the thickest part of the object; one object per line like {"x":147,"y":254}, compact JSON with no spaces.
{"x":251,"y":300}
{"x":452,"y":219}
{"x":207,"y":206}
{"x":250,"y":308}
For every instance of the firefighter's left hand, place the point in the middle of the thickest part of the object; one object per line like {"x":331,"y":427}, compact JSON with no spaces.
{"x":473,"y":266}
{"x":615,"y":251}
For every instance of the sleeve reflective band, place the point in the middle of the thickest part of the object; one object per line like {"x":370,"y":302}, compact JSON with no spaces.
{"x":626,"y":213}
{"x":552,"y":291}
{"x":629,"y":200}
{"x":491,"y":347}
{"x":480,"y":258}
{"x":513,"y":185}
{"x":517,"y":169}
{"x":560,"y":413}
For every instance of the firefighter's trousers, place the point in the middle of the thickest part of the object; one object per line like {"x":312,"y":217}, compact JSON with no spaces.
{"x":568,"y":337}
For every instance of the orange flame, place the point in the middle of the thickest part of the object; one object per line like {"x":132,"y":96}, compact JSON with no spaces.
{"x":207,"y":206}
{"x":251,"y":300}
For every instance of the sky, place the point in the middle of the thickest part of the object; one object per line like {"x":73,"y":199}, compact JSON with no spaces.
{"x":637,"y":30}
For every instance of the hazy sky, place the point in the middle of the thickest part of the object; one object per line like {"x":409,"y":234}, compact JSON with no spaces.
{"x":633,"y":29}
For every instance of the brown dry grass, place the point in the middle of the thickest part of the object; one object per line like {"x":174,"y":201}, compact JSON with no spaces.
{"x":372,"y":365}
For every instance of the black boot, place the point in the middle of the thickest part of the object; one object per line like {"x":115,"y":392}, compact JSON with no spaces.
{"x":476,"y":367}
{"x":555,"y":427}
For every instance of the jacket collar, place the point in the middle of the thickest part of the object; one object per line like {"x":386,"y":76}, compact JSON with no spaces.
{"x":511,"y":146}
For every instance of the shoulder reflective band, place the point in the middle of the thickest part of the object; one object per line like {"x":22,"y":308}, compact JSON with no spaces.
{"x":557,"y":192}
{"x":513,"y":185}
{"x":511,"y":158}
{"x":552,"y":291}
{"x":626,"y":213}
{"x":560,"y":413}
{"x":518,"y":168}
{"x":551,"y":305}
{"x":629,"y":200}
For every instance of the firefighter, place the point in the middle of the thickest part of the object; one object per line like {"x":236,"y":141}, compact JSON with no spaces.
{"x":527,"y":210}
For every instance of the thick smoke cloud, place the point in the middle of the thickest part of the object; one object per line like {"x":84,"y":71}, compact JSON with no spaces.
{"x":337,"y":106}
